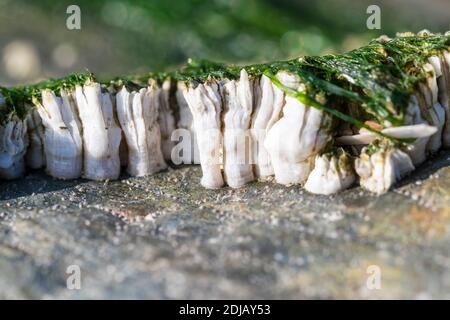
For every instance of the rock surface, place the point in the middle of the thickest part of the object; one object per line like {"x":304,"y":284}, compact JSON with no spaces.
{"x":166,"y":237}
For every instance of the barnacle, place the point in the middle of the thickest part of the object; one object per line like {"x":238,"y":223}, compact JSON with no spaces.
{"x":205,"y":104}
{"x":385,"y":104}
{"x":101,"y":133}
{"x":185,"y":126}
{"x":268,"y":104}
{"x":166,"y":119}
{"x":333,"y":172}
{"x":296,"y":137}
{"x":238,"y":105}
{"x":62,"y":138}
{"x":380,"y":166}
{"x":137,"y":112}
{"x":13,"y":145}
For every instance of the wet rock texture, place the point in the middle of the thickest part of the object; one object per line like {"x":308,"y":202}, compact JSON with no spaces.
{"x":166,"y":237}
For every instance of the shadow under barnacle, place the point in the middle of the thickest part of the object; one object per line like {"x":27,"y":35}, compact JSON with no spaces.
{"x":36,"y":182}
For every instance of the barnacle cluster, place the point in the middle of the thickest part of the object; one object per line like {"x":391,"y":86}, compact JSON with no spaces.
{"x":369,"y":115}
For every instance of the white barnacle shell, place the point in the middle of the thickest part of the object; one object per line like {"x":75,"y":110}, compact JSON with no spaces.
{"x":379,"y":170}
{"x":296,"y":137}
{"x":237,"y":144}
{"x":268,"y":104}
{"x":332,"y":173}
{"x":62,"y":134}
{"x":137,"y":112}
{"x":441,"y":65}
{"x":186,"y":122}
{"x":445,"y":96}
{"x":35,"y":155}
{"x":13,"y":145}
{"x":431,"y":109}
{"x":417,"y":150}
{"x":205,"y":103}
{"x":166,"y":119}
{"x":101,"y":133}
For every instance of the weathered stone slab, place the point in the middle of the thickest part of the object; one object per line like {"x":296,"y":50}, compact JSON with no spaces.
{"x":166,"y":237}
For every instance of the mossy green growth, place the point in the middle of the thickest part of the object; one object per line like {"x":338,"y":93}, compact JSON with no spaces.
{"x":18,"y":100}
{"x":373,"y":82}
{"x":379,"y":145}
{"x":384,"y":73}
{"x":66,"y":83}
{"x":144,"y":79}
{"x":13,"y":104}
{"x":378,"y":78}
{"x":201,"y":70}
{"x":345,"y":160}
{"x":119,"y":82}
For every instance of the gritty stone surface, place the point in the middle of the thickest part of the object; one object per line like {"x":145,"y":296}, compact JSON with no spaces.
{"x":166,"y":237}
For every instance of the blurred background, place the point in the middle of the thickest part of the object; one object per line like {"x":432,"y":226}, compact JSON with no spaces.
{"x":123,"y":37}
